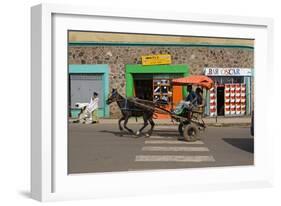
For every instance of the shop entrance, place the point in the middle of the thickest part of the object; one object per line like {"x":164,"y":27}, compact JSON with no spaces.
{"x":83,"y":80}
{"x":143,"y":89}
{"x":232,"y":95}
{"x":157,"y":87}
{"x":220,"y":100}
{"x":153,"y":82}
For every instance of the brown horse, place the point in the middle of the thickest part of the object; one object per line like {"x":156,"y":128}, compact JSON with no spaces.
{"x":130,"y":109}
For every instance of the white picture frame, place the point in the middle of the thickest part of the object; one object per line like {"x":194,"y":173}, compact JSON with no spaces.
{"x":49,"y":179}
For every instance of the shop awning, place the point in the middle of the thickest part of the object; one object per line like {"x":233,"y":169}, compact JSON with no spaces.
{"x":199,"y":80}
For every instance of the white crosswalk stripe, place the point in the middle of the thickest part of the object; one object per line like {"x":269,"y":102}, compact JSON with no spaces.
{"x":176,"y":149}
{"x":172,"y":142}
{"x":166,"y":127}
{"x":173,"y":158}
{"x":160,"y":137}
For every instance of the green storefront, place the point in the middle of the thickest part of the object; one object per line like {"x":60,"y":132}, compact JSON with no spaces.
{"x":153,"y":82}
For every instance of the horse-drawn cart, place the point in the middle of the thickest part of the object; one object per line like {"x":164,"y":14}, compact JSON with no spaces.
{"x":189,"y":116}
{"x":189,"y":124}
{"x":191,"y":119}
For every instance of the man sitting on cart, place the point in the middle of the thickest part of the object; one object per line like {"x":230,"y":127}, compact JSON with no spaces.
{"x":191,"y":97}
{"x":193,"y":102}
{"x":189,"y":102}
{"x":200,"y":102}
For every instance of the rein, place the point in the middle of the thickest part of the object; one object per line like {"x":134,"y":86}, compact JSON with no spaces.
{"x":125,"y":108}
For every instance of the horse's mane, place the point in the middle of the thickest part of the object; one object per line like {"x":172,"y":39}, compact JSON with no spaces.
{"x":123,"y":98}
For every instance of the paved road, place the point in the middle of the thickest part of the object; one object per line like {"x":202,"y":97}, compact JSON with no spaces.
{"x":103,"y":148}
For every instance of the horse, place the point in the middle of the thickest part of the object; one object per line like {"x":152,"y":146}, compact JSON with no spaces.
{"x":130,"y":109}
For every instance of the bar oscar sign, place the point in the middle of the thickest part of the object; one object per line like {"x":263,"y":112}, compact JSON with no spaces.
{"x":228,"y":72}
{"x":156,"y":59}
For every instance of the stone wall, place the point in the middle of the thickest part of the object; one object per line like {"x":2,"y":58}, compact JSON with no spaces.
{"x":196,"y":58}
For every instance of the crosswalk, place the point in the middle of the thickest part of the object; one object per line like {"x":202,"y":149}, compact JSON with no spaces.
{"x":174,"y":158}
{"x":176,"y":149}
{"x":168,"y":149}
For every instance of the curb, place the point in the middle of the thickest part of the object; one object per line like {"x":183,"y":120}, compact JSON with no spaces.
{"x":215,"y":124}
{"x":211,"y":124}
{"x":228,"y":124}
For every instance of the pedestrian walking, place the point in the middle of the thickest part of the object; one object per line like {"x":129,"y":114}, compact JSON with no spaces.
{"x":93,"y":107}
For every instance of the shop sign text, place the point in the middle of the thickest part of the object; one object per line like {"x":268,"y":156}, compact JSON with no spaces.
{"x":228,"y":72}
{"x":156,"y":59}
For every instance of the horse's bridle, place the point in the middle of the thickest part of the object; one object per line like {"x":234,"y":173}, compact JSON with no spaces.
{"x":117,"y":99}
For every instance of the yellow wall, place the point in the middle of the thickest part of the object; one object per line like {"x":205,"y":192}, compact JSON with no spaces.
{"x":118,"y":37}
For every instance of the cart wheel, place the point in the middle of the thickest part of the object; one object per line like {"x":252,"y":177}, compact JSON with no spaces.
{"x":190,"y":133}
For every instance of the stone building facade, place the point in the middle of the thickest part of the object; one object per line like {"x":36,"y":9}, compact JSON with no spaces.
{"x":196,"y":57}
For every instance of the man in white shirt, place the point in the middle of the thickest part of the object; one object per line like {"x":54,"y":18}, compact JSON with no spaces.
{"x":92,"y":108}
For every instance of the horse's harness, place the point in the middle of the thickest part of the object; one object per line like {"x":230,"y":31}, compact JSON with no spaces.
{"x":125,"y":108}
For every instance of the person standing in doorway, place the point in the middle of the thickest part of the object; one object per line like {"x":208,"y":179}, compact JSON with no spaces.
{"x":93,"y":108}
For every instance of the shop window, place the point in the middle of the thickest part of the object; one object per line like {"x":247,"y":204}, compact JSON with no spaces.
{"x":162,"y":91}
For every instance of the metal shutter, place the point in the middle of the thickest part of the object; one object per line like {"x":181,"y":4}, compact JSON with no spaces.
{"x":82,"y":87}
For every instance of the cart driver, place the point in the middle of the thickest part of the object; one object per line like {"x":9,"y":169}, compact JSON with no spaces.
{"x":189,"y":102}
{"x":191,"y":97}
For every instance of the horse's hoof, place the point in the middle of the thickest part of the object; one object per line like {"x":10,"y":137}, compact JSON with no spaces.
{"x":147,"y":135}
{"x":138,"y":133}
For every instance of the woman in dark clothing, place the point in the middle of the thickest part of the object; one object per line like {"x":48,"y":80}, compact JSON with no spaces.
{"x":199,"y":99}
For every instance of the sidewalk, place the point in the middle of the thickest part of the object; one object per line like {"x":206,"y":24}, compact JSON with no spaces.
{"x":210,"y":121}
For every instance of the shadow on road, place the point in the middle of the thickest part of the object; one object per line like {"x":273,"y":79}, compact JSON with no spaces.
{"x":162,"y":133}
{"x":118,"y":133}
{"x":246,"y":144}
